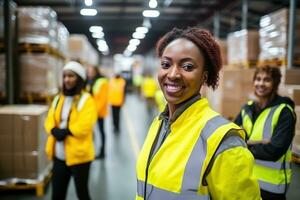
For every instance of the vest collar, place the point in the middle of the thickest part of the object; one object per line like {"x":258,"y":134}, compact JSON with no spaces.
{"x":165,"y":114}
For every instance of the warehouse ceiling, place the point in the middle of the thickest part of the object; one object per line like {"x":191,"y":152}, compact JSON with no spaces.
{"x":119,"y":18}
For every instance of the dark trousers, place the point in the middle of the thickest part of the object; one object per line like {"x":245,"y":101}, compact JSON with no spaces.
{"x":102,"y":134}
{"x":271,"y":196}
{"x":116,"y":117}
{"x":61,"y":178}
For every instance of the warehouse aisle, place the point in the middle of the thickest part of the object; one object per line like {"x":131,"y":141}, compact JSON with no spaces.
{"x":114,"y":177}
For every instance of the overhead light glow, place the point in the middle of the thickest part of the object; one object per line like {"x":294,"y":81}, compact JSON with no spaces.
{"x":131,"y":48}
{"x":138,"y":35}
{"x":96,"y":29}
{"x":152,"y":3}
{"x":127,"y":53}
{"x":101,"y":43}
{"x":134,"y":42}
{"x":142,"y":29}
{"x":151,"y":13}
{"x":88,"y":12}
{"x":103,"y":48}
{"x":90,"y":2}
{"x":98,"y":35}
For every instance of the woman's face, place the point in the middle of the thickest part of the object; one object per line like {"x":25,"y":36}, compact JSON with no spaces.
{"x":263,"y":85}
{"x":181,"y":73}
{"x":69,"y":79}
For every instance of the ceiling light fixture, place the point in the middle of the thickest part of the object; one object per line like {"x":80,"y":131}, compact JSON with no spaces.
{"x":152,"y":3}
{"x":138,"y":35}
{"x":151,"y":13}
{"x":141,"y":29}
{"x":134,"y":42}
{"x":98,"y":35}
{"x":96,"y":29}
{"x":88,"y":2}
{"x":131,"y":48}
{"x":88,"y":12}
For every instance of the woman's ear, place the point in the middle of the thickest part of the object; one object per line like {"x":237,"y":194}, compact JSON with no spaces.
{"x":204,"y":77}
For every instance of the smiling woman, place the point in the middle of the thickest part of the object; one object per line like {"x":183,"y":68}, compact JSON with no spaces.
{"x":191,"y":152}
{"x":270,"y":126}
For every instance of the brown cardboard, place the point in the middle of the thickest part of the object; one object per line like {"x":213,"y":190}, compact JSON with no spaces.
{"x":6,"y":165}
{"x":28,"y":137}
{"x":291,"y":76}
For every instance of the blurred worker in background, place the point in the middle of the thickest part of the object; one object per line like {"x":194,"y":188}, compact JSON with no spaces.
{"x":69,"y":125}
{"x":116,"y":98}
{"x":160,"y":100}
{"x":270,"y":126}
{"x":191,"y":152}
{"x":97,"y":85}
{"x":149,"y":88}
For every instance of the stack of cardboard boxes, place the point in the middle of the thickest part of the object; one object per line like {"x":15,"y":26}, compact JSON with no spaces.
{"x":273,"y":37}
{"x":80,"y":49}
{"x":243,"y":48}
{"x":22,"y":143}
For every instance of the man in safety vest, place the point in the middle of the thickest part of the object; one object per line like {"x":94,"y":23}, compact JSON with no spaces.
{"x":116,"y":97}
{"x":270,"y":125}
{"x":97,"y":85}
{"x":149,"y":88}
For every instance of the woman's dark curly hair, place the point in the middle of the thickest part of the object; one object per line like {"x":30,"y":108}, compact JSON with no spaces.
{"x":274,"y":72}
{"x":206,"y":44}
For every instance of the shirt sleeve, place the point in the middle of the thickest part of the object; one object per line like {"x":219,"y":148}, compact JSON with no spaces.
{"x":280,"y":140}
{"x":231,"y":176}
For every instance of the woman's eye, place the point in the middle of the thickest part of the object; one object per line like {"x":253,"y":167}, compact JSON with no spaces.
{"x":165,"y":65}
{"x":187,"y":67}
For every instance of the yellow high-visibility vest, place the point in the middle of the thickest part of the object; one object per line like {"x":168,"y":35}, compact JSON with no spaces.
{"x":178,"y":169}
{"x":272,"y":176}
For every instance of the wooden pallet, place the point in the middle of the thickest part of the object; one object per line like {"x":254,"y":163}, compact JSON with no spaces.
{"x":37,"y":48}
{"x":30,"y":97}
{"x":39,"y":186}
{"x":244,"y":64}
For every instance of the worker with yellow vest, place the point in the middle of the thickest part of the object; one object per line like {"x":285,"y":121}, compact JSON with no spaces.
{"x":270,"y":126}
{"x":160,"y":100}
{"x":191,"y":152}
{"x":116,"y":98}
{"x":149,"y":88}
{"x":69,"y":126}
{"x":97,"y":85}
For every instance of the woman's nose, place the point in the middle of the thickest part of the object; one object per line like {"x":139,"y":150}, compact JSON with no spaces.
{"x":174,"y":72}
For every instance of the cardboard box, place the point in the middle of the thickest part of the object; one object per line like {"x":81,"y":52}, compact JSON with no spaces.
{"x":290,"y":76}
{"x":25,"y":140}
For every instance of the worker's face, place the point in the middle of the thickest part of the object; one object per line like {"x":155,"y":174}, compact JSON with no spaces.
{"x":263,"y":85}
{"x":69,"y":79}
{"x":181,"y":73}
{"x":91,"y":73}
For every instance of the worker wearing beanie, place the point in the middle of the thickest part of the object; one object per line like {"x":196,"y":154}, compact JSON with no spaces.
{"x":191,"y":152}
{"x":69,"y":125}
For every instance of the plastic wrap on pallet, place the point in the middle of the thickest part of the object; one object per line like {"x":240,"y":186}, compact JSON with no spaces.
{"x":44,"y":80}
{"x":242,"y":46}
{"x":37,"y":25}
{"x":273,"y":35}
{"x":81,"y":49}
{"x":62,"y":38}
{"x":2,"y":73}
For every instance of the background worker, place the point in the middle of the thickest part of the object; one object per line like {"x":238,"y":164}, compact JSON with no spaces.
{"x":69,"y":125}
{"x":190,"y":151}
{"x":270,"y":126}
{"x":97,"y":85}
{"x":149,"y":88}
{"x":116,"y":98}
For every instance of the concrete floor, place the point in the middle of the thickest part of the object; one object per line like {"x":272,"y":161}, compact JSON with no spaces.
{"x":114,"y":177}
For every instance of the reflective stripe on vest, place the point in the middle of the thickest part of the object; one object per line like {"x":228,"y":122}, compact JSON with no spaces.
{"x":192,"y":173}
{"x":274,"y":188}
{"x":282,"y":165}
